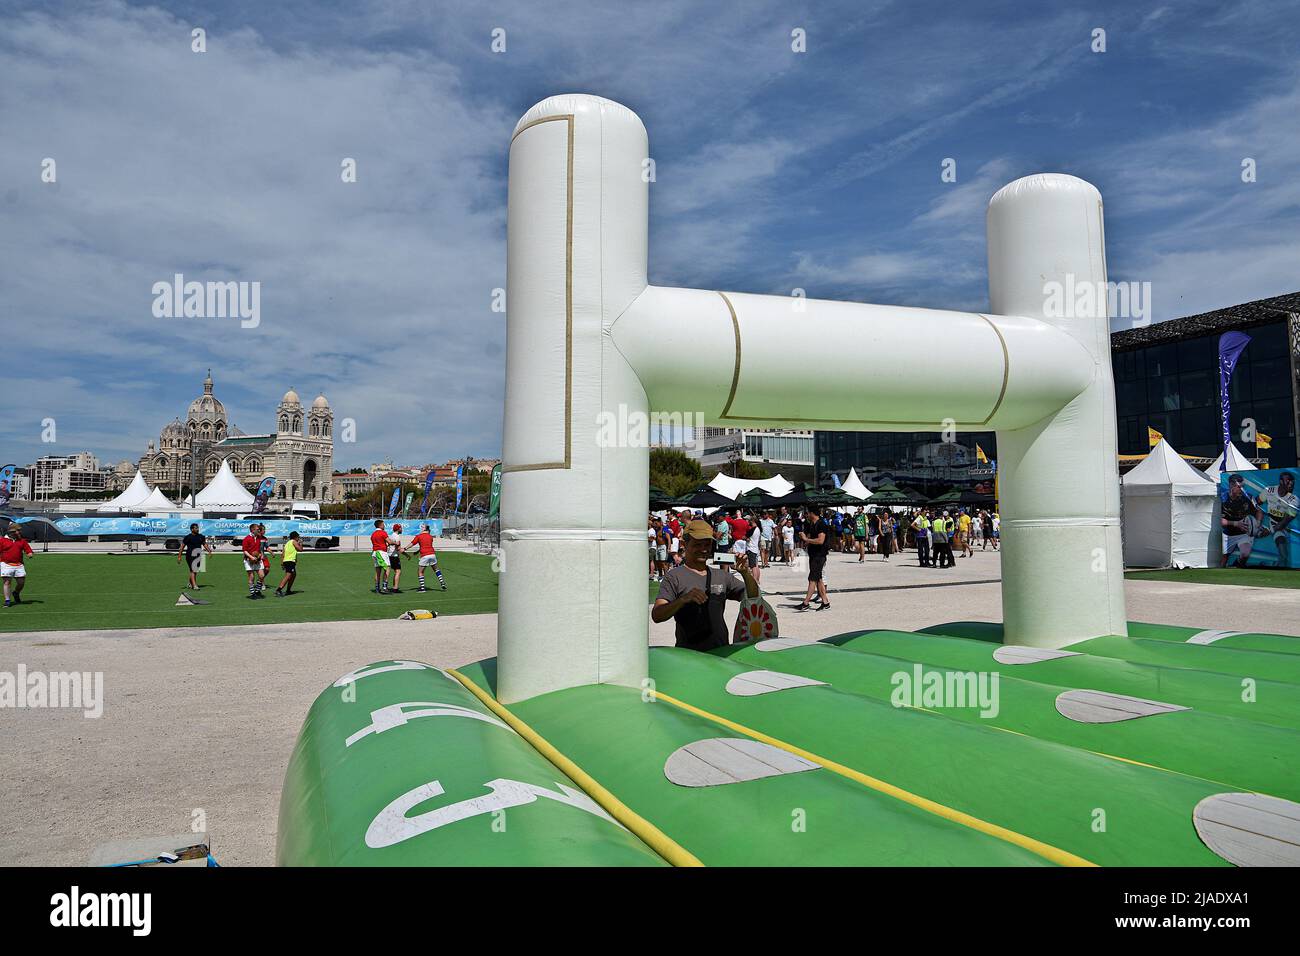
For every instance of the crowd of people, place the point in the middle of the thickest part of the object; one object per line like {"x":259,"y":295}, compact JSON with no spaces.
{"x":756,"y":539}
{"x":693,"y":593}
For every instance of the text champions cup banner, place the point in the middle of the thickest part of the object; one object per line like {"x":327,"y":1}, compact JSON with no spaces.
{"x":212,"y":527}
{"x":1260,"y":525}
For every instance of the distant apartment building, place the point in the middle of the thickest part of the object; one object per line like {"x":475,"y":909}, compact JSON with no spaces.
{"x":55,"y":475}
{"x":717,"y":448}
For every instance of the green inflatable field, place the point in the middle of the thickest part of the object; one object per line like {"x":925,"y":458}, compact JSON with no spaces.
{"x":1171,"y":747}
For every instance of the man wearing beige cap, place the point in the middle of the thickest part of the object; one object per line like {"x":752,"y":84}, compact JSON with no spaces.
{"x":695,"y":595}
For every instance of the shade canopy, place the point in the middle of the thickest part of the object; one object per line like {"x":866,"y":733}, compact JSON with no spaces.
{"x":775,"y":486}
{"x":224,"y":492}
{"x":854,"y":488}
{"x":136,"y":492}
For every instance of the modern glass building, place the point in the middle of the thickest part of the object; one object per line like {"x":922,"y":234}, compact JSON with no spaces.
{"x":1166,"y":377}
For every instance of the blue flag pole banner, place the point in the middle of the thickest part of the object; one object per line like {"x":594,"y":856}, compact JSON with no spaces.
{"x":1258,"y":513}
{"x":397,"y":499}
{"x":213,"y":527}
{"x":1231,"y":345}
{"x":428,"y":486}
{"x":6,"y":484}
{"x":460,"y":475}
{"x":836,"y":479}
{"x":263,"y":495}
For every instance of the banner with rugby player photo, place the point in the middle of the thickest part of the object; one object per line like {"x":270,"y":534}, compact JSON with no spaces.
{"x":1258,"y":515}
{"x":263,"y":495}
{"x":6,"y":484}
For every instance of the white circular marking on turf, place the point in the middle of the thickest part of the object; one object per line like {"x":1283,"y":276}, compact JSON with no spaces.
{"x":1209,"y":637}
{"x":753,"y":683}
{"x":722,"y":760}
{"x":1099,"y":707}
{"x":785,"y":643}
{"x":1014,"y":654}
{"x":1250,"y":829}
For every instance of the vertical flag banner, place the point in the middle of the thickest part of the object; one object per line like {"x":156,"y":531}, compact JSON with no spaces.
{"x":1153,"y":437}
{"x":6,"y":484}
{"x":1263,"y":441}
{"x":263,"y":495}
{"x":1231,"y":345}
{"x":397,"y":497}
{"x":428,"y":485}
{"x":980,"y":456}
{"x":494,"y":506}
{"x":460,"y":475}
{"x":406,"y":507}
{"x":836,"y":478}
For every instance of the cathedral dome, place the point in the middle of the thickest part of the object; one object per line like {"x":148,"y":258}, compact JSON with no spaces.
{"x":320,"y":402}
{"x":290,"y":398}
{"x":174,"y":429}
{"x":207,"y":407}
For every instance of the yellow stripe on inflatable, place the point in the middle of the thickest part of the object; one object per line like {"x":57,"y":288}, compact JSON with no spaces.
{"x":1045,"y":850}
{"x":649,"y":834}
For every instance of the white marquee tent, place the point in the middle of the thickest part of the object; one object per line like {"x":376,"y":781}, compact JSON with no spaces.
{"x":224,"y":492}
{"x":130,"y":499}
{"x":156,"y":502}
{"x":1169,"y":513}
{"x":1236,"y":462}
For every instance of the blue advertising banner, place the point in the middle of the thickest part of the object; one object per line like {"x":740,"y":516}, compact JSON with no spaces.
{"x":397,"y":499}
{"x":6,"y":484}
{"x":460,"y":475}
{"x":1231,"y":345}
{"x":214,"y":527}
{"x":1258,"y":515}
{"x":263,"y":495}
{"x":428,"y":484}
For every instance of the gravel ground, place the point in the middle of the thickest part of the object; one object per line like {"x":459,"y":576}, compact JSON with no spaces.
{"x":204,"y":719}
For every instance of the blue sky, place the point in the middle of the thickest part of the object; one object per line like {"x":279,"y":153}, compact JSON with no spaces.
{"x":775,"y":170}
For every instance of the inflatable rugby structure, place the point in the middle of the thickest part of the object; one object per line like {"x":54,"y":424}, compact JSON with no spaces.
{"x":1066,"y":736}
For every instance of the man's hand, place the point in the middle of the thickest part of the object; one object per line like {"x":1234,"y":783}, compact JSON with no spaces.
{"x":695,"y":596}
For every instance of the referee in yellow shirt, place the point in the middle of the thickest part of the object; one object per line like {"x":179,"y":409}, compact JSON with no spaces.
{"x":289,"y":564}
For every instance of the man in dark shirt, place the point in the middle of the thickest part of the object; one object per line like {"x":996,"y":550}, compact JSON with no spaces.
{"x":816,"y":535}
{"x":192,"y":547}
{"x":694,"y":595}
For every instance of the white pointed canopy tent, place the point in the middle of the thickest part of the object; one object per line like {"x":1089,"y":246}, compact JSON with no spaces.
{"x":853,"y":486}
{"x":1169,"y":510}
{"x":1236,"y":462}
{"x":223,"y":492}
{"x":588,"y":338}
{"x":775,"y":486}
{"x":134,"y":493}
{"x":157,"y":502}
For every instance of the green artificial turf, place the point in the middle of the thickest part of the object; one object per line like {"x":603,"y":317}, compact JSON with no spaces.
{"x":83,"y":591}
{"x":91,"y":591}
{"x":1246,"y":577}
